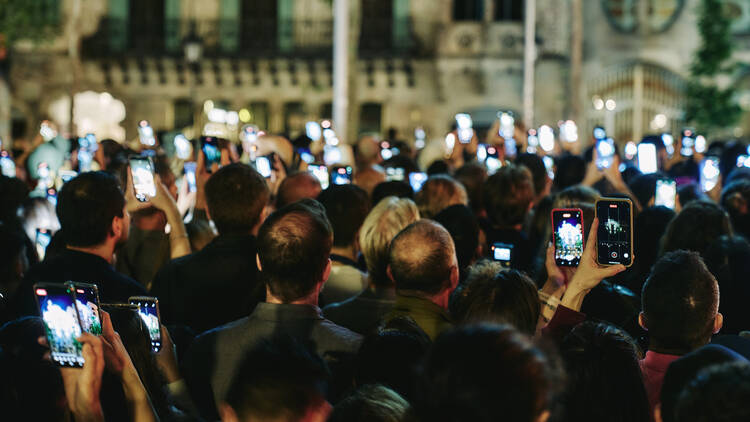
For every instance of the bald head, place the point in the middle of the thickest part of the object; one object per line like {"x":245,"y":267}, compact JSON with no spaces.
{"x":423,"y":258}
{"x":297,"y":186}
{"x":369,"y":177}
{"x":368,"y":151}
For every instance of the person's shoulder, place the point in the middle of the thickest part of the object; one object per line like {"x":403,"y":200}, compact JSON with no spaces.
{"x":340,"y":334}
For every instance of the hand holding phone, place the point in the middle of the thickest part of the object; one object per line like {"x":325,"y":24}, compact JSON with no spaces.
{"x":87,"y":303}
{"x":605,"y":153}
{"x":321,"y":173}
{"x":666,"y":193}
{"x":211,"y":152}
{"x":263,"y":166}
{"x":57,"y":308}
{"x":502,"y":253}
{"x":342,"y":175}
{"x":192,"y":182}
{"x":146,"y":134}
{"x":7,"y":164}
{"x":464,"y":128}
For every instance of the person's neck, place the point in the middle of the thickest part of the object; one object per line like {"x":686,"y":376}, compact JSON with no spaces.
{"x":154,"y":222}
{"x":346,"y":252}
{"x":657,"y":348}
{"x":104,"y":250}
{"x":310,"y":299}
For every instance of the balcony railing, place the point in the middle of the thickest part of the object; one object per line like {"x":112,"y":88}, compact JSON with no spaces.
{"x":246,"y":37}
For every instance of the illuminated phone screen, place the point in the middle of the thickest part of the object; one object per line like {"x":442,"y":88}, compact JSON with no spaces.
{"x":614,"y":234}
{"x":568,"y":236}
{"x":148,"y":310}
{"x":58,"y":310}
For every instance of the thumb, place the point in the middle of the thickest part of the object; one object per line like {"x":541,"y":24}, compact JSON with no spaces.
{"x":612,"y":271}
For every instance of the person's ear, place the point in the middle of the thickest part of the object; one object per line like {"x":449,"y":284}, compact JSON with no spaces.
{"x":718,"y":322}
{"x":657,"y":413}
{"x":117,"y":227}
{"x":543,"y":416}
{"x":356,"y":244}
{"x":257,"y":262}
{"x":208,"y":214}
{"x":454,"y":277}
{"x":327,"y":271}
{"x":390,"y":274}
{"x":642,"y":321}
{"x":227,"y":413}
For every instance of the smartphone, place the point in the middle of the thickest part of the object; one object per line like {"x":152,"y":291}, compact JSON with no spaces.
{"x":568,"y":236}
{"x":263,"y":165}
{"x":331,"y":154}
{"x":532,"y":141}
{"x":85,"y":155}
{"x":148,"y":310}
{"x":342,"y":175}
{"x":394,"y":174}
{"x":700,"y":144}
{"x":600,"y":133}
{"x":419,"y":138}
{"x":146,"y":133}
{"x":549,"y":164}
{"x":502,"y":253}
{"x":182,"y":147}
{"x":313,"y":130}
{"x":43,"y":239}
{"x":688,"y":143}
{"x":211,"y":151}
{"x":666,"y":193}
{"x":493,"y":162}
{"x":7,"y":164}
{"x":305,"y":155}
{"x":67,"y":175}
{"x":546,"y":138}
{"x":416,"y":180}
{"x":45,"y":129}
{"x":143,"y":177}
{"x":568,"y":131}
{"x":190,"y":167}
{"x":605,"y":153}
{"x":615,"y":231}
{"x":709,"y":173}
{"x":321,"y":173}
{"x":58,"y":310}
{"x":464,"y":128}
{"x":44,"y":175}
{"x":52,"y":196}
{"x":743,"y":160}
{"x":87,"y":303}
{"x":647,"y":158}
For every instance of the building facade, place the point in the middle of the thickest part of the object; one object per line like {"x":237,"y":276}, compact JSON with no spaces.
{"x":418,"y":63}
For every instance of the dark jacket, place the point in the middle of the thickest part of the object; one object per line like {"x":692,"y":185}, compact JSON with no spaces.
{"x":363,"y":312}
{"x":216,"y":354}
{"x":211,"y":287}
{"x":430,"y":317}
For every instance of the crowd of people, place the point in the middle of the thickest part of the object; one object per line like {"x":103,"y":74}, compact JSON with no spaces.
{"x":284,"y":297}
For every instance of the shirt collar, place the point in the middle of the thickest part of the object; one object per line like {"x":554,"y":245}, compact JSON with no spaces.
{"x":658,"y":361}
{"x":411,"y":301}
{"x":282,"y":312}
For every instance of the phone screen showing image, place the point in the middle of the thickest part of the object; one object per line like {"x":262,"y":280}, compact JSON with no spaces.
{"x":263,"y":165}
{"x":666,"y":192}
{"x":7,"y":164}
{"x":146,"y":133}
{"x":647,"y":158}
{"x":605,"y":152}
{"x":416,"y":180}
{"x":502,"y":253}
{"x":87,"y":303}
{"x":321,"y":173}
{"x":464,"y":128}
{"x":143,"y":178}
{"x":568,"y":236}
{"x":394,"y":174}
{"x":342,"y":175}
{"x":190,"y":176}
{"x":614,"y":234}
{"x":709,"y":173}
{"x":58,"y":310}
{"x":211,"y":152}
{"x":148,"y":310}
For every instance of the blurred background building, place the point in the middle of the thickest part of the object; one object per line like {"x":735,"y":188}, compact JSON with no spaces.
{"x":417,"y":63}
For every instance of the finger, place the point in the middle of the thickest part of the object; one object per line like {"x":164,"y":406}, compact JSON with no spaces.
{"x":130,"y":181}
{"x":611,"y":271}
{"x":107,"y":330}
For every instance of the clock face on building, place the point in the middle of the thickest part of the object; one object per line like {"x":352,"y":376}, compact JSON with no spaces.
{"x":643,"y":16}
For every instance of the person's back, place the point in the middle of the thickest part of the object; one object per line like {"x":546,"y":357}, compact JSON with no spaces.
{"x":294,"y":244}
{"x":363,"y":312}
{"x":680,"y":303}
{"x":91,"y":210}
{"x":424,"y":269}
{"x":347,"y":207}
{"x":220,"y":283}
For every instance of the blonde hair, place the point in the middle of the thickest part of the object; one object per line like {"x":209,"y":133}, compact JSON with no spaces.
{"x":382,"y":224}
{"x":438,"y":193}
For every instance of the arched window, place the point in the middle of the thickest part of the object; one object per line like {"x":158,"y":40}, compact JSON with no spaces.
{"x":625,"y":15}
{"x":509,"y":10}
{"x":468,"y":10}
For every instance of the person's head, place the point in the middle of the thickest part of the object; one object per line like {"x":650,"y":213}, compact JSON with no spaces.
{"x":422,"y":259}
{"x":397,"y":188}
{"x":486,"y":373}
{"x":13,"y":191}
{"x":294,"y":245}
{"x":571,"y":170}
{"x":13,"y":262}
{"x":346,"y":208}
{"x":236,"y":196}
{"x":297,"y":186}
{"x":438,"y":193}
{"x":728,"y":259}
{"x":382,"y":224}
{"x":38,"y":213}
{"x":603,"y":375}
{"x":680,"y":303}
{"x":684,"y":369}
{"x":278,"y":380}
{"x":371,"y":403}
{"x":367,"y":151}
{"x":91,"y":210}
{"x":391,"y":356}
{"x":494,"y":294}
{"x":572,"y":196}
{"x":735,"y":198}
{"x":718,"y":393}
{"x":690,"y":192}
{"x":368,"y":178}
{"x":461,"y":223}
{"x":643,"y":187}
{"x":472,"y":176}
{"x":508,"y":196}
{"x":538,"y":171}
{"x":698,"y":225}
